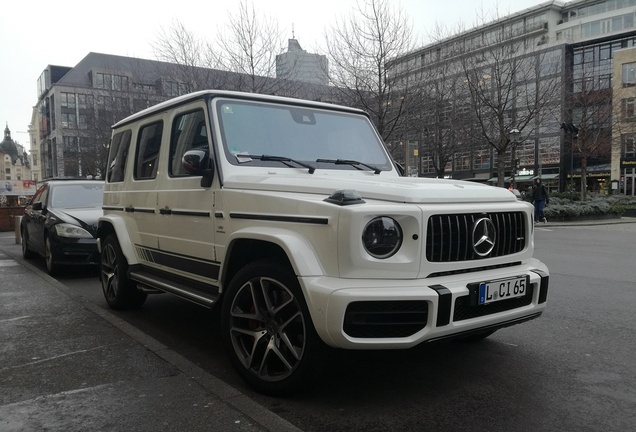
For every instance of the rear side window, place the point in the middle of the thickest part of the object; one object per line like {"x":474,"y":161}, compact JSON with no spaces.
{"x":118,"y":156}
{"x":188,"y":133}
{"x":148,"y":145}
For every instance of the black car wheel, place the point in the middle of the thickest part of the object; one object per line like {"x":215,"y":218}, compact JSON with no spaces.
{"x":51,"y":266}
{"x":267,"y":330}
{"x":119,"y":291}
{"x":26,"y":252}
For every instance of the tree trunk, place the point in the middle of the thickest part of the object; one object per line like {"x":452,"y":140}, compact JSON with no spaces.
{"x":583,"y":179}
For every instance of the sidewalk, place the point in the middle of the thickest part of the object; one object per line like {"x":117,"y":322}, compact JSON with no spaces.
{"x":591,"y":222}
{"x":66,"y":366}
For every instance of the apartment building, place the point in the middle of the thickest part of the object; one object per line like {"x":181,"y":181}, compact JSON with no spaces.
{"x":77,"y":105}
{"x":571,"y":48}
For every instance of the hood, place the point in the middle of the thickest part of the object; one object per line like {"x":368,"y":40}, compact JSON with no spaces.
{"x":84,"y":217}
{"x":415,"y":190}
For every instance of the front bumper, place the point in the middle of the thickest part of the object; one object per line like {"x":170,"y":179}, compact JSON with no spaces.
{"x":71,"y":251}
{"x":395,"y":314}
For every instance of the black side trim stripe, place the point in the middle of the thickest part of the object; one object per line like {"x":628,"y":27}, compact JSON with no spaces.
{"x":191,"y":213}
{"x":112,"y":208}
{"x":444,"y":308}
{"x":545,"y":282}
{"x":139,"y":210}
{"x":280,"y":218}
{"x":188,"y":264}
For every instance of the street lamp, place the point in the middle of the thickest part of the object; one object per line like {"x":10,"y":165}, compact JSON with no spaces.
{"x":514,"y":136}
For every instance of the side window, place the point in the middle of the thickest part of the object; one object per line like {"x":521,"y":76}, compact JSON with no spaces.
{"x":188,"y":133}
{"x":37,"y":197}
{"x":118,"y":156}
{"x":148,"y":145}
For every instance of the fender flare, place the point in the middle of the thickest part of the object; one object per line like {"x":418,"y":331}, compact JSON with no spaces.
{"x":119,"y":227}
{"x":298,"y":249}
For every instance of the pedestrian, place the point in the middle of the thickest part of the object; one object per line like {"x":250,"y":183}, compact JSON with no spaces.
{"x":539,"y":198}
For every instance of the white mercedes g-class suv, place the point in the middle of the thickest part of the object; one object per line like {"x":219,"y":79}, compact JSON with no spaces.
{"x":293,"y":218}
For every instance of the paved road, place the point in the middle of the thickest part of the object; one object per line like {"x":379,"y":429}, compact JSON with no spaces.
{"x":570,"y":370}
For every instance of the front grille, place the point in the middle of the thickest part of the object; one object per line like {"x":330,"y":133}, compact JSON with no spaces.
{"x":385,"y":319}
{"x":465,"y":309}
{"x":449,"y":236}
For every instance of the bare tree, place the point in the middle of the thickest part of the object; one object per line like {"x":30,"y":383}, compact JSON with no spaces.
{"x":192,"y":59}
{"x":362,"y":51}
{"x":508,"y":89}
{"x":248,"y":47}
{"x":598,"y":110}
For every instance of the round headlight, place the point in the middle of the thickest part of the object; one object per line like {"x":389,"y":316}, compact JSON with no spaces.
{"x":382,"y":237}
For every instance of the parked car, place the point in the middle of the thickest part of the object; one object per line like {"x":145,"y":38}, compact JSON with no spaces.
{"x":293,"y":218}
{"x":60,"y":222}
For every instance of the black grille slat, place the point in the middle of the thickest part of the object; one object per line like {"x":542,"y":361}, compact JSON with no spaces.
{"x":449,"y":237}
{"x":385,"y":319}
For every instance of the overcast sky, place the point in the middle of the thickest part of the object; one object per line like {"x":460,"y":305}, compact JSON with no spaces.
{"x":37,"y":33}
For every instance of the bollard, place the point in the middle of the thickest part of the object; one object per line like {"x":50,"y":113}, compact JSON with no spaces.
{"x":18,"y":237}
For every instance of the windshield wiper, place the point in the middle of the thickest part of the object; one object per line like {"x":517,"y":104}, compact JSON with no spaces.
{"x":353,"y":163}
{"x":282,"y":159}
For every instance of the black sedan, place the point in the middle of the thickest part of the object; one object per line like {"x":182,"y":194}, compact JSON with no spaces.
{"x":60,"y":223}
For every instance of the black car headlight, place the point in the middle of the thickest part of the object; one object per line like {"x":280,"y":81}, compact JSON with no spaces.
{"x":382,"y":237}
{"x":71,"y":231}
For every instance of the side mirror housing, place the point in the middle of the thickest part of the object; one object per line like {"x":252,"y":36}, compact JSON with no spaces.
{"x":197,"y":162}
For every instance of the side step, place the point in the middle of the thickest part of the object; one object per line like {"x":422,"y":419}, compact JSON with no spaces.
{"x":193,"y":291}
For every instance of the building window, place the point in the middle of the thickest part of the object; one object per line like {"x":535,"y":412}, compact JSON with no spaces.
{"x":462,"y":162}
{"x":629,"y":146}
{"x":427,"y":165}
{"x":173,"y":88}
{"x":629,"y":74}
{"x":70,"y":144}
{"x":69,"y":121}
{"x":85,"y":101}
{"x":67,"y":100}
{"x":111,"y":82}
{"x":629,"y":108}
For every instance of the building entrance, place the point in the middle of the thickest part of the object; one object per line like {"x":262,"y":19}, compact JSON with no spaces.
{"x":629,"y":179}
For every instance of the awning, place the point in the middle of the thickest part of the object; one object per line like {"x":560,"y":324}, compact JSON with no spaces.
{"x":523,"y":178}
{"x":548,"y":176}
{"x":519,"y":178}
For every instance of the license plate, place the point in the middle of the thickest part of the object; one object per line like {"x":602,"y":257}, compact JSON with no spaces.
{"x":502,"y":289}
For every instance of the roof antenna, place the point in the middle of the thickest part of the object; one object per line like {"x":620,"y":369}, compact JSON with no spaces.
{"x":293,"y":32}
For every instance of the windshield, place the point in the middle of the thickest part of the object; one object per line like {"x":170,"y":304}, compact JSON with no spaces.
{"x":77,"y":195}
{"x":313,"y":136}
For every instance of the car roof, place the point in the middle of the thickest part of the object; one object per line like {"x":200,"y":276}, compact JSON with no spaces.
{"x":209,"y":94}
{"x":68,"y":180}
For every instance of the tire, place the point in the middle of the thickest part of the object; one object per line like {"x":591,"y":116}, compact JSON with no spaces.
{"x":119,"y":291}
{"x":26,"y":252}
{"x":267,"y":330}
{"x":51,"y":266}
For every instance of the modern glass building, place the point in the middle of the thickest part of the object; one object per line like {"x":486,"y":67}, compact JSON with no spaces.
{"x":577,"y":50}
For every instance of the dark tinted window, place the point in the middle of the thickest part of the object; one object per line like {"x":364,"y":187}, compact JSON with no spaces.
{"x":188,"y":133}
{"x":148,"y":145}
{"x":118,"y":156}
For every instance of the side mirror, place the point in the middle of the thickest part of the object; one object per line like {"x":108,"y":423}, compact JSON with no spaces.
{"x":37,"y":206}
{"x":197,"y":162}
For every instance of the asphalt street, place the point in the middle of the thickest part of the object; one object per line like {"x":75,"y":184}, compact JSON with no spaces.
{"x":569,"y":370}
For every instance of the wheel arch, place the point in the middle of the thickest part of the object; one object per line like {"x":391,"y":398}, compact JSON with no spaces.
{"x":277,"y":244}
{"x":109,"y":225}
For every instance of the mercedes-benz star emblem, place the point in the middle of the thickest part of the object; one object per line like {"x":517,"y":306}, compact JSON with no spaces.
{"x":483,"y":236}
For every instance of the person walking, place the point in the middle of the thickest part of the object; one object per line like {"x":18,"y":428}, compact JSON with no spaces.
{"x":539,"y":198}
